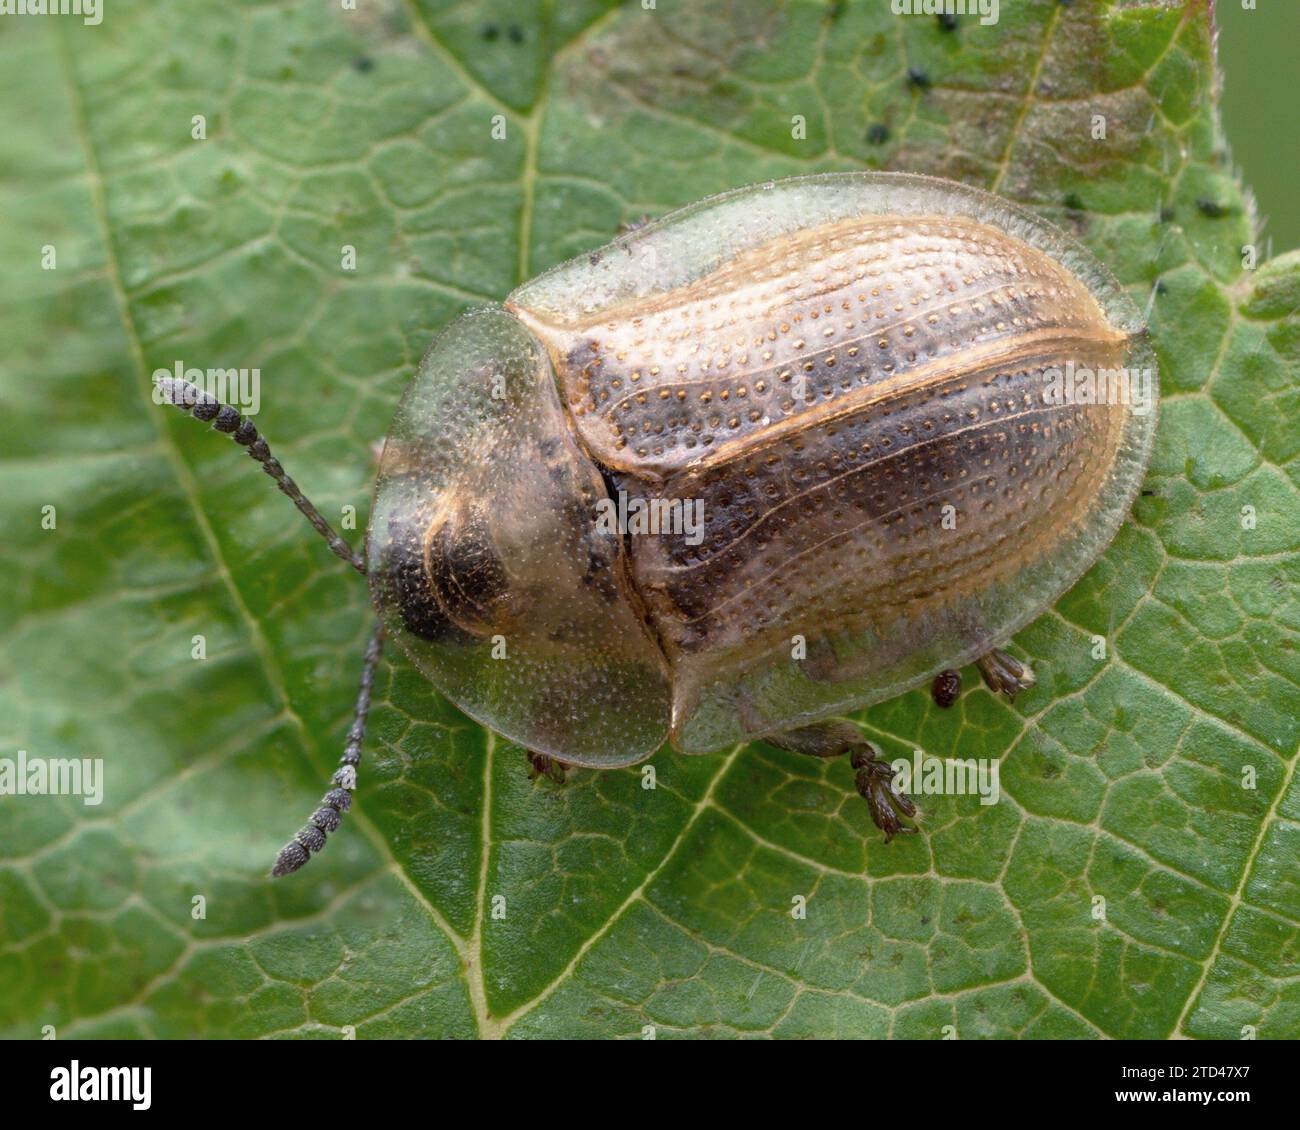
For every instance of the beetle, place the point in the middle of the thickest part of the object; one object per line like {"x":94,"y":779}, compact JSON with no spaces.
{"x":851,"y":380}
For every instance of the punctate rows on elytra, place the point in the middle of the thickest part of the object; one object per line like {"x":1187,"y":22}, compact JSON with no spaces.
{"x":854,"y":401}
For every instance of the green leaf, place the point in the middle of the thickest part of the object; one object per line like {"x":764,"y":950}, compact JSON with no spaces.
{"x":625,"y":907}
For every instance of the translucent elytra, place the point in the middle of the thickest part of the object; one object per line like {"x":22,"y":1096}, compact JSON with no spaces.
{"x":849,"y":373}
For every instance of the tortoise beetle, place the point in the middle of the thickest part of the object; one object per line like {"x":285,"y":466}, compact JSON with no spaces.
{"x":852,"y":380}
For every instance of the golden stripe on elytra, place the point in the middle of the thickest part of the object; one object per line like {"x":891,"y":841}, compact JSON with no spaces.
{"x":971,"y":364}
{"x":872,"y":331}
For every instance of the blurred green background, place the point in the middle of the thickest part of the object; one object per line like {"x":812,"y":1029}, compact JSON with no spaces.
{"x":1257,"y":51}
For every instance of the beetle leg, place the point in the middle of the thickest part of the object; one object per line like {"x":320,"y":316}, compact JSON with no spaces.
{"x":544,"y":765}
{"x":1004,"y":674}
{"x":946,"y":688}
{"x":873,"y":777}
{"x":875,"y":782}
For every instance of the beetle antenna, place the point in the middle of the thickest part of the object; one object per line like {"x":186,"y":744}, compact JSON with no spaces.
{"x":326,"y":819}
{"x":190,"y":398}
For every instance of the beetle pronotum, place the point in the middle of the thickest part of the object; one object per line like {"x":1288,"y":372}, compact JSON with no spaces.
{"x":847,"y":376}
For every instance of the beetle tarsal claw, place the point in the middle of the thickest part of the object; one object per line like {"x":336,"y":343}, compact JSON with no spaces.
{"x":543,"y":765}
{"x":1005,"y":674}
{"x":875,"y":782}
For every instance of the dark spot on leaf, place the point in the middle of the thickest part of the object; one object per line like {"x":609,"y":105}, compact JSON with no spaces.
{"x":1073,"y":201}
{"x":947,"y":21}
{"x":878,"y":134}
{"x":1166,"y":215}
{"x":363,"y":64}
{"x":515,"y":33}
{"x":834,"y":10}
{"x":917,"y":78}
{"x":489,"y":32}
{"x":1211,"y":208}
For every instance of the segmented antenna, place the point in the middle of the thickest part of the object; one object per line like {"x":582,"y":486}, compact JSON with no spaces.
{"x":311,"y":837}
{"x":190,"y":398}
{"x":326,"y":819}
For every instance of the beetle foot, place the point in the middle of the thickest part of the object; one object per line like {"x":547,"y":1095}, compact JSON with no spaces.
{"x":1005,"y":674}
{"x":875,"y":781}
{"x":874,"y":778}
{"x":544,"y":765}
{"x":946,"y":688}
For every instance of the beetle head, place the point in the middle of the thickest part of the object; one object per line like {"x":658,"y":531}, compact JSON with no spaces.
{"x":444,"y":575}
{"x":487,"y":562}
